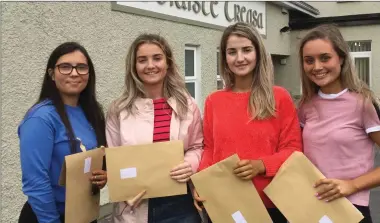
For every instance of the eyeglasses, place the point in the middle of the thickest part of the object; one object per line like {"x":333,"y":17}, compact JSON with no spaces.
{"x":66,"y":68}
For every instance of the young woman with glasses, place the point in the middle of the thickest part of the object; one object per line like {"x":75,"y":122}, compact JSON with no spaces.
{"x":65,"y":117}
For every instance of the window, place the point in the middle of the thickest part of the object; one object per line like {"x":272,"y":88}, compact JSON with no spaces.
{"x":359,"y":46}
{"x":219,"y":81}
{"x":192,"y":72}
{"x":361,"y":54}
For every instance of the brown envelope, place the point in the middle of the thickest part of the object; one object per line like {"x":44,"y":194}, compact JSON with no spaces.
{"x":228,"y":198}
{"x":132,"y":169}
{"x":292,"y":191}
{"x":81,"y":206}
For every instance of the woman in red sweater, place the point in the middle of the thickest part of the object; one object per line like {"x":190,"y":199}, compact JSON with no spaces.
{"x":250,"y":117}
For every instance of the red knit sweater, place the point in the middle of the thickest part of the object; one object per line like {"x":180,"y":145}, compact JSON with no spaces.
{"x":228,"y":130}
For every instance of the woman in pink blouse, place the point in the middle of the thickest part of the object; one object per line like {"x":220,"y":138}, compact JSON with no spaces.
{"x":155,"y":106}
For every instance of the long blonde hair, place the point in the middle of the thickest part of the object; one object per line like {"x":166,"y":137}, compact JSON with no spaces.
{"x":348,"y":76}
{"x":261,"y":101}
{"x":174,"y":84}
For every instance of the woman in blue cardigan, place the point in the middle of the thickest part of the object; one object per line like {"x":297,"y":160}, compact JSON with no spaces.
{"x":65,"y":117}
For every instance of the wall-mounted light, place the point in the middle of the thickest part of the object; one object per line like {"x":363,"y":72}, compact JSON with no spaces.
{"x":285,"y":29}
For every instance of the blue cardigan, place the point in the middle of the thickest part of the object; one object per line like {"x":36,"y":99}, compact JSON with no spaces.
{"x":43,"y":147}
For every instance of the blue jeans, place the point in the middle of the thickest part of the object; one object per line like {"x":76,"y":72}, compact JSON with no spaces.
{"x":173,"y":209}
{"x":365,"y":212}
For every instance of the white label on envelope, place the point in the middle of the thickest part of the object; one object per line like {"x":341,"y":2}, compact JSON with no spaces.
{"x":325,"y":219}
{"x":87,"y":165}
{"x":238,"y":217}
{"x":128,"y":173}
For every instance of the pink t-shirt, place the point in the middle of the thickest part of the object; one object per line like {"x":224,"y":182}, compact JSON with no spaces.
{"x":335,"y":136}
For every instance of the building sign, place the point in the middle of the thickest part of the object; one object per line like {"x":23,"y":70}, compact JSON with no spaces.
{"x":214,"y":14}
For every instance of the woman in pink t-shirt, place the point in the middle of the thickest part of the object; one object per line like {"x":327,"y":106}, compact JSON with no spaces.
{"x":339,"y":120}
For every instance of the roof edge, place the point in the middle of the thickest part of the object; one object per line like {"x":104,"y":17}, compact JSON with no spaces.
{"x":299,"y":6}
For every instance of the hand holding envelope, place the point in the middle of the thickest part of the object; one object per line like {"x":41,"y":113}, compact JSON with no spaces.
{"x":129,"y":175}
{"x":134,"y":202}
{"x":81,"y":204}
{"x":331,"y":189}
{"x":245,"y":169}
{"x":180,"y":173}
{"x":299,"y":204}
{"x":239,"y":202}
{"x":248,"y":169}
{"x":198,"y":201}
{"x":99,"y":178}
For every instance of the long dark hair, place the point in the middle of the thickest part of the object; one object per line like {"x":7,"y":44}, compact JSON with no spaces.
{"x":87,"y":99}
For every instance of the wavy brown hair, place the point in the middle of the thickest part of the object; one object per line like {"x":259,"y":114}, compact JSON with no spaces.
{"x":348,"y":76}
{"x":261,"y":101}
{"x":174,"y":84}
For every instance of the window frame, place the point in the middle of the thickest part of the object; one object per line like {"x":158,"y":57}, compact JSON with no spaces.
{"x":218,"y":77}
{"x":364,"y":54}
{"x":196,"y":78}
